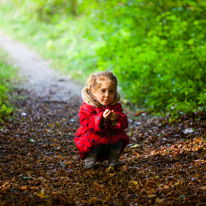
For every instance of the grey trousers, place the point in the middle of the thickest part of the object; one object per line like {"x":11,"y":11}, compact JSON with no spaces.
{"x":103,"y":150}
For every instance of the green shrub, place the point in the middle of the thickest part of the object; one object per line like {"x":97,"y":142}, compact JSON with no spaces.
{"x":48,"y":10}
{"x":5,"y":110}
{"x":7,"y":73}
{"x":164,"y":69}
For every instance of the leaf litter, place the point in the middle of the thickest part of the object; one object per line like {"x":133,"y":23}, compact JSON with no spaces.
{"x":164,"y":164}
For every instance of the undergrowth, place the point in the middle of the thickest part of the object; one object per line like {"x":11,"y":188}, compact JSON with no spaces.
{"x":7,"y":74}
{"x":156,"y":48}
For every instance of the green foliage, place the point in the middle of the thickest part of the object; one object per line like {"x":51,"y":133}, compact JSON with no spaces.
{"x":7,"y":73}
{"x":4,"y":109}
{"x":70,"y":43}
{"x":157,"y":48}
{"x":48,"y":10}
{"x":162,"y":67}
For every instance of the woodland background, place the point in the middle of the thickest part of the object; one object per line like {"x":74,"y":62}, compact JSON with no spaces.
{"x":157,"y":48}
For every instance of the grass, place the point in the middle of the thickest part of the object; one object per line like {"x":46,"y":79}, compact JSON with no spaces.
{"x":69,"y":43}
{"x":7,"y":75}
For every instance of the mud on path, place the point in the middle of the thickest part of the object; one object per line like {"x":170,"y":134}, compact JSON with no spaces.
{"x":164,"y":164}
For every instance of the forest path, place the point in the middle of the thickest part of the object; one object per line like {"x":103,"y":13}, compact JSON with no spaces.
{"x":36,"y":74}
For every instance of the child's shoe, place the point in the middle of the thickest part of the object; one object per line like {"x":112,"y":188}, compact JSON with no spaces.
{"x":90,"y":162}
{"x":114,"y":160}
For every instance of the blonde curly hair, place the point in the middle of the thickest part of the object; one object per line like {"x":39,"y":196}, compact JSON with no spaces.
{"x":94,"y":80}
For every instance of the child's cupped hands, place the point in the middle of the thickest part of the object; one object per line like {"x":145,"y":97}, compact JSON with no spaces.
{"x":110,"y":114}
{"x":107,"y":114}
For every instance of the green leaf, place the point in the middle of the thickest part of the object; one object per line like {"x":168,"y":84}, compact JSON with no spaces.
{"x":181,"y":197}
{"x":25,"y":177}
{"x":135,"y":145}
{"x":191,"y":41}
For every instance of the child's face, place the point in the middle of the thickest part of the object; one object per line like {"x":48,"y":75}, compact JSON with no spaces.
{"x":106,"y":93}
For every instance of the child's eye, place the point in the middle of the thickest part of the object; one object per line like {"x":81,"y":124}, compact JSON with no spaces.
{"x":111,"y":91}
{"x":103,"y":90}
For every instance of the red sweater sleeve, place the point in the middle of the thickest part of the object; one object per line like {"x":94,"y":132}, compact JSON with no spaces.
{"x":122,"y":121}
{"x":90,"y":120}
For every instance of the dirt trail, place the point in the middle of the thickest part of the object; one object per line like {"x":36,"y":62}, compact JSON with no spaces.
{"x":36,"y":73}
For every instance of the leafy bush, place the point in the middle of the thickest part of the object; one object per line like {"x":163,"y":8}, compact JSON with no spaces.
{"x":5,"y":110}
{"x":162,"y":66}
{"x":48,"y":10}
{"x":7,"y":73}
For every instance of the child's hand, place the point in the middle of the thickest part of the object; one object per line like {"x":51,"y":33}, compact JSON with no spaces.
{"x":107,"y":114}
{"x":113,"y":116}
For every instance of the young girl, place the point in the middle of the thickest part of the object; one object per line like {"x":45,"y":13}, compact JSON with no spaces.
{"x":101,"y":135}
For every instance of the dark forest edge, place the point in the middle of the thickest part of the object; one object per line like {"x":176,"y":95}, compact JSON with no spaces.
{"x":156,"y":48}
